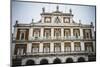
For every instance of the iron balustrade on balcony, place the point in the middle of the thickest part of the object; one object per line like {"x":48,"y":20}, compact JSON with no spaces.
{"x":57,"y":38}
{"x":54,"y":53}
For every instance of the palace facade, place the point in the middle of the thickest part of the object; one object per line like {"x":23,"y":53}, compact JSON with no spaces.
{"x":55,"y":39}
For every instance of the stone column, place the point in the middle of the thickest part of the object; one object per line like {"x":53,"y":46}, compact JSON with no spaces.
{"x":62,"y":46}
{"x":52,"y":33}
{"x":51,"y":47}
{"x":81,"y":33}
{"x":82,"y":46}
{"x":62,"y":33}
{"x":71,"y":33}
{"x":41,"y":32}
{"x":72,"y":46}
{"x":15,"y":33}
{"x":30,"y":33}
{"x":42,"y":17}
{"x":71,"y":20}
{"x":29,"y":48}
{"x":41,"y":47}
{"x":92,"y":31}
{"x":12,"y":48}
{"x":94,"y":46}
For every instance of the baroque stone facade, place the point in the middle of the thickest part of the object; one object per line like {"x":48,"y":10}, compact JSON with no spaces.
{"x":56,"y":38}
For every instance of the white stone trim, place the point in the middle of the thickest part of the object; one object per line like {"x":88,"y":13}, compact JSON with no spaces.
{"x":51,"y":47}
{"x":30,"y":33}
{"x":62,"y":46}
{"x":71,"y":31}
{"x":52,"y":33}
{"x":72,"y":46}
{"x":41,"y":47}
{"x":82,"y":46}
{"x":41,"y":32}
{"x":62,"y":32}
{"x":29,"y":47}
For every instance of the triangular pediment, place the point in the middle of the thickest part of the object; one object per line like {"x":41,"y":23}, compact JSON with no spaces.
{"x":57,"y":20}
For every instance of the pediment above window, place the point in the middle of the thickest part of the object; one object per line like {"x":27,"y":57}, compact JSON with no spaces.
{"x":57,"y":20}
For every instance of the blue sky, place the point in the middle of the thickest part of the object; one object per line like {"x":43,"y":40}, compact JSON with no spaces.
{"x":24,"y":12}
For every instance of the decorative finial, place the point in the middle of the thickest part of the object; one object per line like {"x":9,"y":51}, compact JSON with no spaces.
{"x":57,"y":8}
{"x":16,"y":21}
{"x":70,"y":10}
{"x":32,"y":20}
{"x":79,"y":22}
{"x":43,"y":9}
{"x":91,"y":23}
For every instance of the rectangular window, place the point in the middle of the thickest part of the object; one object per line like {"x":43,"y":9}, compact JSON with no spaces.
{"x":57,"y":47}
{"x":36,"y":33}
{"x":89,"y":46}
{"x":47,"y":19}
{"x":77,"y":46}
{"x":67,"y":47}
{"x":46,"y":47}
{"x":20,"y":49}
{"x":35,"y":47}
{"x":66,"y":20}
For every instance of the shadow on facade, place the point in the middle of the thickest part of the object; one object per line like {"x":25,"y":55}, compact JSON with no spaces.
{"x":57,"y":61}
{"x":69,"y":60}
{"x":81,"y":59}
{"x":30,"y":62}
{"x":44,"y":61}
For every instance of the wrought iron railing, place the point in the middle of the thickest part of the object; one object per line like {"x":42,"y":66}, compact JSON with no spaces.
{"x":61,"y":38}
{"x":54,"y":53}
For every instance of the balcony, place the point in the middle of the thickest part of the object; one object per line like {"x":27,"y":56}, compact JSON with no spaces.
{"x":55,"y":38}
{"x":61,"y":38}
{"x":54,"y":54}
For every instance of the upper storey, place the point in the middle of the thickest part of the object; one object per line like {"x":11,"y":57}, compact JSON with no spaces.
{"x":56,"y":16}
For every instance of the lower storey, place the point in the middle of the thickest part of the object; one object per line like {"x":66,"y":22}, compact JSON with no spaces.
{"x":52,"y":60}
